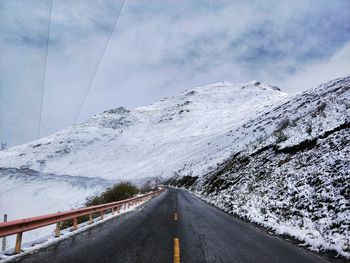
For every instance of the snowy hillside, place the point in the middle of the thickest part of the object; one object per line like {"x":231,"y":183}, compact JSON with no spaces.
{"x":177,"y":133}
{"x":184,"y":134}
{"x":290,"y":169}
{"x":26,"y":193}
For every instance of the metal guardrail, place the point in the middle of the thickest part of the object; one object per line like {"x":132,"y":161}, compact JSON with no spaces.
{"x":22,"y":225}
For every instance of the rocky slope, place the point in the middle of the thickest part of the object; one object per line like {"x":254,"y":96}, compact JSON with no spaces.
{"x":290,"y":169}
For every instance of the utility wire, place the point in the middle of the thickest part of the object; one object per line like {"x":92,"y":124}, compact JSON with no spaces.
{"x":44,"y":78}
{"x":98,"y":64}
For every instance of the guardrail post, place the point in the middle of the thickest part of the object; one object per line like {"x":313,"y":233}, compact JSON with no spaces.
{"x":16,"y":228}
{"x":18,"y":243}
{"x":58,"y":230}
{"x":4,"y":238}
{"x":75,"y":223}
{"x":90,"y":219}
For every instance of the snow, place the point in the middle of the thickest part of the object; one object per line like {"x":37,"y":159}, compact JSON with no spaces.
{"x":27,"y":193}
{"x":185,"y":134}
{"x":289,"y":171}
{"x":32,"y":246}
{"x":278,"y":160}
{"x":125,"y":143}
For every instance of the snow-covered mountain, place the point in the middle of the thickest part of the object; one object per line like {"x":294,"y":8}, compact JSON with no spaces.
{"x":186,"y":134}
{"x":174,"y":134}
{"x":290,"y":169}
{"x":278,"y":160}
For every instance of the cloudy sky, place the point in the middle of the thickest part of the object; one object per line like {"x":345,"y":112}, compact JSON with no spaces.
{"x":157,"y":49}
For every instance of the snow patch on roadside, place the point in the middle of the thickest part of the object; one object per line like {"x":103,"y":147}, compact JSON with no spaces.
{"x":48,"y":240}
{"x":289,"y":170}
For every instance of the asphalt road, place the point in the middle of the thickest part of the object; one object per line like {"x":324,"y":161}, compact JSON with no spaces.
{"x":202,"y":233}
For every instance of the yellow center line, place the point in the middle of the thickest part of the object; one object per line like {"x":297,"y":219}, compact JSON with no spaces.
{"x":175,"y":216}
{"x":176,"y":250}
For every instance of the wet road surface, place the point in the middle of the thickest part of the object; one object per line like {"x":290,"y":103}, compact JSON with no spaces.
{"x":173,"y":227}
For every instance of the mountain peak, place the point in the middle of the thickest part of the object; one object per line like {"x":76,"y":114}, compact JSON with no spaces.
{"x":226,"y":86}
{"x":128,"y":140}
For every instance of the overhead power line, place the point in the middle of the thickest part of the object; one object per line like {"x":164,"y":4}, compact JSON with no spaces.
{"x":45,"y":64}
{"x":98,"y":64}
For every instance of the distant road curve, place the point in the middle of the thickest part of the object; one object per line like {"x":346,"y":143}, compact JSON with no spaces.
{"x":173,"y":227}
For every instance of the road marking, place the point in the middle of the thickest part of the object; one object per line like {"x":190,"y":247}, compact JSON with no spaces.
{"x":176,"y":250}
{"x":175,"y":216}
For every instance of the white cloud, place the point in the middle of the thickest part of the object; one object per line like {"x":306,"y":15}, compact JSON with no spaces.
{"x":321,"y":71}
{"x":158,"y":49}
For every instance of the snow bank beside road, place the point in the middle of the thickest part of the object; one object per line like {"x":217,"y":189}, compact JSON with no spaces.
{"x":291,"y":173}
